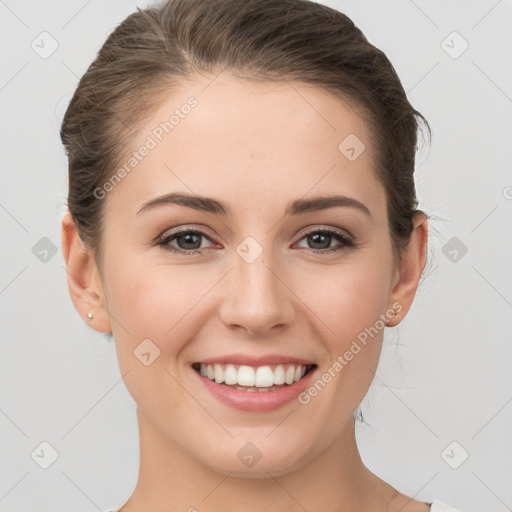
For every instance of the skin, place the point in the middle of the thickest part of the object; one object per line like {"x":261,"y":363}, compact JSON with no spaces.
{"x":257,"y":147}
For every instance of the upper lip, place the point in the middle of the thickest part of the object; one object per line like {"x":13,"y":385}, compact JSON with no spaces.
{"x":248,"y":360}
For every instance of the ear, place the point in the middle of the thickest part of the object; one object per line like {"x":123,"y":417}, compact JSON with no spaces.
{"x":84,"y":283}
{"x":409,"y":271}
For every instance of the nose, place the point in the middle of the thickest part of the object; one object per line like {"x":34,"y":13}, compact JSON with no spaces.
{"x":257,"y":298}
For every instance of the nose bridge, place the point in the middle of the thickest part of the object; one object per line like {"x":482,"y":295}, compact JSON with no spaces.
{"x":257,"y":299}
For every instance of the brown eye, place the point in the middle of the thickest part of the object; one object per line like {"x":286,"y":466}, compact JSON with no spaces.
{"x":187,"y":241}
{"x":320,"y":240}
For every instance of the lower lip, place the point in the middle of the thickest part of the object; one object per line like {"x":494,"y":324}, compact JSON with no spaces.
{"x":256,"y":401}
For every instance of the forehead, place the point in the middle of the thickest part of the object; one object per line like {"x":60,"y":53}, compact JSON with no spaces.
{"x":229,"y":137}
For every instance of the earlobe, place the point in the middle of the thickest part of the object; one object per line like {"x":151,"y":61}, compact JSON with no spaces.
{"x":83,"y":278}
{"x":410,"y":270}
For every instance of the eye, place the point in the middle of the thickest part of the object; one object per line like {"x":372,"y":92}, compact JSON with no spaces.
{"x":320,"y":240}
{"x":188,"y":241}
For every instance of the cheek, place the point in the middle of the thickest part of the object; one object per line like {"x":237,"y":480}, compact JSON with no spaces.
{"x":160,"y":302}
{"x":346,"y":298}
{"x":150,"y":298}
{"x":155,"y":303}
{"x":156,"y":300}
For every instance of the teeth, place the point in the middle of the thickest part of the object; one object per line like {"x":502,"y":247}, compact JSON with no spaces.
{"x":230,"y":375}
{"x":279,"y":375}
{"x":218,"y":373}
{"x":263,"y":377}
{"x":246,"y":376}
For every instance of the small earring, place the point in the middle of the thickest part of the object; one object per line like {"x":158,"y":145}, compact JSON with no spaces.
{"x":89,"y":316}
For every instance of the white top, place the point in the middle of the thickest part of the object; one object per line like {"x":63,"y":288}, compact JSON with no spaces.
{"x":436,"y":506}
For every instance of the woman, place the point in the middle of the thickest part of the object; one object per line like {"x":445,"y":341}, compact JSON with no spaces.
{"x":243,"y":220}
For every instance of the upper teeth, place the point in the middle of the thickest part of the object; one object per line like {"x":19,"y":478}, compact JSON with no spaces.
{"x":260,"y":377}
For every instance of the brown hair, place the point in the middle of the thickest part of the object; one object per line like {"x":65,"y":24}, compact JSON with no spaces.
{"x":273,"y":40}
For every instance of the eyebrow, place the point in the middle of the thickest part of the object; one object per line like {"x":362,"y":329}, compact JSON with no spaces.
{"x":297,"y":207}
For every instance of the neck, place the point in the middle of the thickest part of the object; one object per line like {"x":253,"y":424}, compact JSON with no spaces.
{"x":336,"y":480}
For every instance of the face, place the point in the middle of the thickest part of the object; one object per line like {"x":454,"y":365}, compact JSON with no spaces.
{"x":253,"y":276}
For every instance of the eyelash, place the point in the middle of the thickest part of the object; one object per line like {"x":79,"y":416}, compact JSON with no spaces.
{"x":347,"y":241}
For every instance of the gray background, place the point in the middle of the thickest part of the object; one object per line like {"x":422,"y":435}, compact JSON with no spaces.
{"x":443,"y":390}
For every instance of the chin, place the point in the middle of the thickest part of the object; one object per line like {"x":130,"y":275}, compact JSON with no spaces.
{"x":247,"y":461}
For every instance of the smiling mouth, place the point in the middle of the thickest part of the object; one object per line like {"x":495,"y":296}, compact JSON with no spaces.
{"x":251,"y":378}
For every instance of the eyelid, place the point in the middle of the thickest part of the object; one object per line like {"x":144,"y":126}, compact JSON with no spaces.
{"x":201,"y":227}
{"x":324,"y":227}
{"x":186,"y":228}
